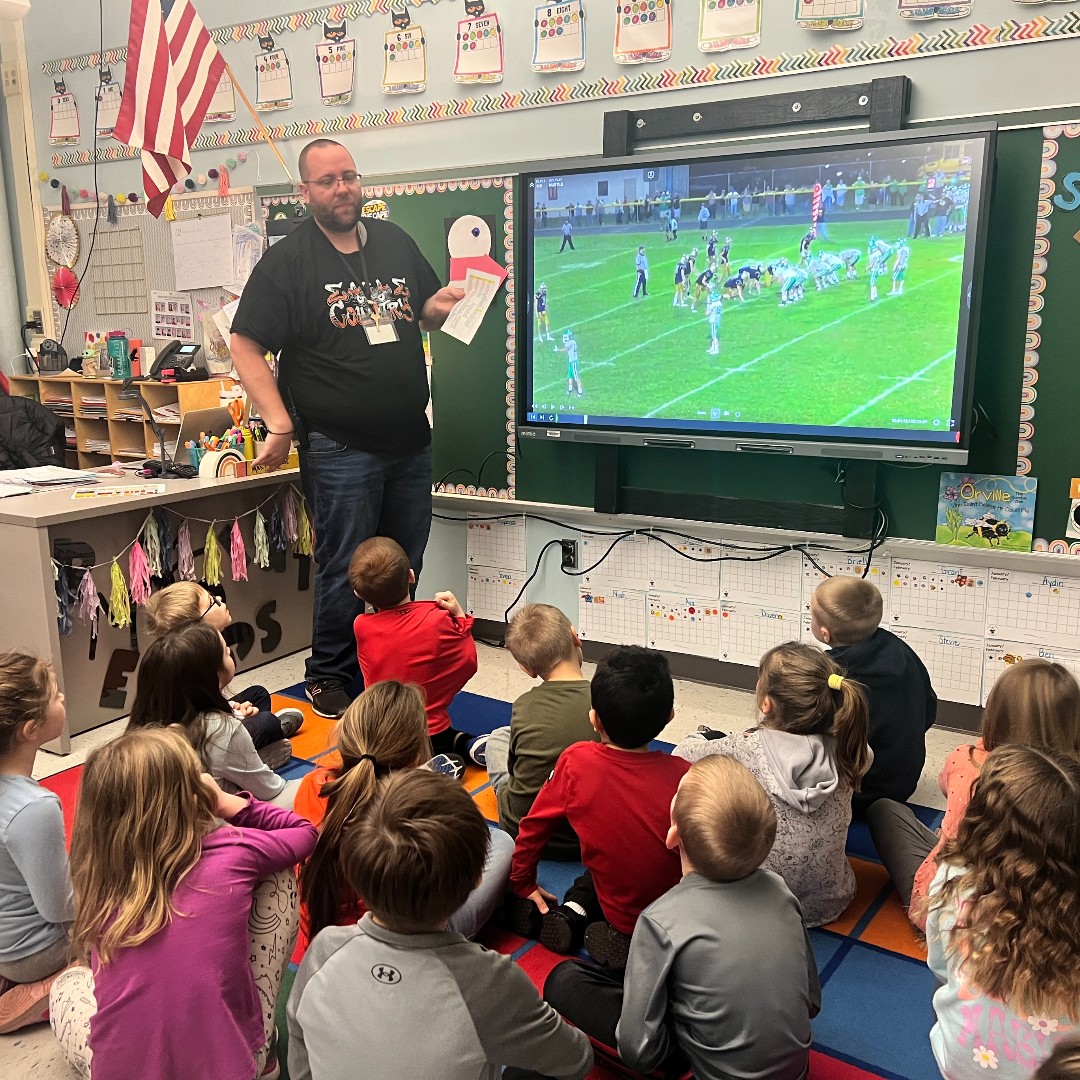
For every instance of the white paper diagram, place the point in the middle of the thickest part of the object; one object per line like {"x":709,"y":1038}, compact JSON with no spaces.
{"x":625,"y":560}
{"x":492,"y":591}
{"x":999,"y":656}
{"x":559,"y":37}
{"x":938,"y":596}
{"x":954,"y":661}
{"x":777,"y":581}
{"x":63,"y":118}
{"x":642,"y":31}
{"x":337,"y":68}
{"x":495,"y":543}
{"x":836,"y":565}
{"x":479,"y":50}
{"x":405,"y":61}
{"x":612,"y":614}
{"x":273,"y":81}
{"x":747,"y":630}
{"x":684,"y":624}
{"x":687,"y":568}
{"x":109,"y":94}
{"x":1041,"y":608}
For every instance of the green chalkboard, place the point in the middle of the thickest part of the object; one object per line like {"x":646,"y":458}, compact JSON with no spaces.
{"x":468,"y":382}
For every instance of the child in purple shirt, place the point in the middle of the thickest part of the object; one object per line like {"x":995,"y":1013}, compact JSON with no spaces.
{"x":170,"y":907}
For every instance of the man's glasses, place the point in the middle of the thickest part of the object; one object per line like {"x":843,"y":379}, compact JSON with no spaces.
{"x":349,"y":179}
{"x":215,"y":601}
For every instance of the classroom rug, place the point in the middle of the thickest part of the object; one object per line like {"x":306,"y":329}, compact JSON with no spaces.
{"x":876,"y":1008}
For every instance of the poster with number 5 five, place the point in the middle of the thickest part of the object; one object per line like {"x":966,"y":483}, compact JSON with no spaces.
{"x":642,"y":31}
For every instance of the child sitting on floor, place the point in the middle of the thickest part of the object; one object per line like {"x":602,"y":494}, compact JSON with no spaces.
{"x":426,"y":642}
{"x":429,"y":1003}
{"x":181,"y":676}
{"x":1003,"y":930}
{"x":545,"y":720}
{"x":615,"y":795}
{"x":721,"y":977}
{"x":844,"y":614}
{"x":187,"y":602}
{"x":186,"y":913}
{"x":35,"y":887}
{"x":382,"y":732}
{"x":808,"y":752}
{"x":1033,"y":703}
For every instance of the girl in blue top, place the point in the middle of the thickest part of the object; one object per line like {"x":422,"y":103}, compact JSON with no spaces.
{"x":35,"y":886}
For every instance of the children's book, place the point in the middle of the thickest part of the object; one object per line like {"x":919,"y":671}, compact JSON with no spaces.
{"x":986,"y":511}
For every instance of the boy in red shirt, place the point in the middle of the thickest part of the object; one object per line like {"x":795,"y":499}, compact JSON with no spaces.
{"x":425,"y":642}
{"x":616,"y":795}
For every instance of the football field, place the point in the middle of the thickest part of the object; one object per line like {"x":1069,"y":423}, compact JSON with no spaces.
{"x":833,"y":358}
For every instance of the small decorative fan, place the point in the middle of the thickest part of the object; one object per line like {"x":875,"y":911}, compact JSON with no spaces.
{"x":65,"y":287}
{"x":62,"y":240}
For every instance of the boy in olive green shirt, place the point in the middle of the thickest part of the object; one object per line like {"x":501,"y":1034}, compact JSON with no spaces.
{"x":545,"y":720}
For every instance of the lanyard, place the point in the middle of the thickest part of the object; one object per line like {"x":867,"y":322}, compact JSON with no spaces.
{"x":363,"y":267}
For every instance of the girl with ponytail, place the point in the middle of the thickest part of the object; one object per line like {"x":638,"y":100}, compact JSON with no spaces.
{"x":383,"y":731}
{"x":809,"y":753}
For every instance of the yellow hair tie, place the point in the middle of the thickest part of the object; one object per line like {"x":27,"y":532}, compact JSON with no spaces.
{"x":836,"y":681}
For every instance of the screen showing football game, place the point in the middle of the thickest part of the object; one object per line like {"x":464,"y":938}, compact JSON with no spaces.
{"x":813,"y":294}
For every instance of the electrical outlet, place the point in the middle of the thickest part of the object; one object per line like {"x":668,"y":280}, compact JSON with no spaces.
{"x":33,"y":320}
{"x":10,"y":74}
{"x":569,"y":554}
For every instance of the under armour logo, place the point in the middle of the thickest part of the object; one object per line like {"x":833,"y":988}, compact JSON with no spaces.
{"x":385,"y":974}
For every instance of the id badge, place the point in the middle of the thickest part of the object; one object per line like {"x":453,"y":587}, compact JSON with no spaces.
{"x":382,"y":332}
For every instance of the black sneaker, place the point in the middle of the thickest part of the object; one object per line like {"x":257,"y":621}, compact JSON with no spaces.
{"x":607,"y":946}
{"x":520,"y":916}
{"x":563,"y":930}
{"x":328,"y":698}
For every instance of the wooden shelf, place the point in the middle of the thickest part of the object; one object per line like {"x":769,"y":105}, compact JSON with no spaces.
{"x":128,"y":435}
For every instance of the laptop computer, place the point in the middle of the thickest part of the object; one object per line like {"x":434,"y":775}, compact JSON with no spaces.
{"x":197,"y":422}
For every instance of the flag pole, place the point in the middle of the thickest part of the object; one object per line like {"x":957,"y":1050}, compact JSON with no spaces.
{"x":259,"y":124}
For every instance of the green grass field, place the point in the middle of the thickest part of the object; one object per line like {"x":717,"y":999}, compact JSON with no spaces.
{"x":832,"y":359}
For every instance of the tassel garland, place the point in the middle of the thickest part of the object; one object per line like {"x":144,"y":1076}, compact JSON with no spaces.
{"x":139,"y":571}
{"x":238,"y":552}
{"x":223,"y":182}
{"x":262,"y":543}
{"x":277,"y":529}
{"x":170,"y":209}
{"x":184,"y":558}
{"x":110,"y":213}
{"x":63,"y":598}
{"x":155,"y":555}
{"x":119,"y":598}
{"x":288,"y":513}
{"x":305,"y":534}
{"x":88,"y":601}
{"x":212,"y":557}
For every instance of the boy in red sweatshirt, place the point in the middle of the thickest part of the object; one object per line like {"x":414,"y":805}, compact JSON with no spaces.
{"x":616,"y":795}
{"x":425,"y":642}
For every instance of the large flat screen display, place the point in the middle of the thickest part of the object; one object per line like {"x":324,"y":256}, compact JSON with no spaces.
{"x":813,"y":300}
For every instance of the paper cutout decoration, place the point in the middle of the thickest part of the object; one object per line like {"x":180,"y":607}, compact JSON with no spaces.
{"x":336,"y":59}
{"x":222,"y":108}
{"x":828,"y":14}
{"x":404,"y":56}
{"x":468,"y":240}
{"x":909,"y":9}
{"x":63,"y":116}
{"x":273,"y":77}
{"x":479,"y":49}
{"x":108,"y":97}
{"x":729,"y":24}
{"x":65,"y":287}
{"x":559,"y":37}
{"x":642,"y":31}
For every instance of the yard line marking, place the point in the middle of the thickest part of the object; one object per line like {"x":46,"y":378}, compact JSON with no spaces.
{"x":896,"y":386}
{"x":779,"y":348}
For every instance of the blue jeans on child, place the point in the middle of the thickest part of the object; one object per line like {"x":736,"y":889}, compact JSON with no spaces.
{"x":355,"y":495}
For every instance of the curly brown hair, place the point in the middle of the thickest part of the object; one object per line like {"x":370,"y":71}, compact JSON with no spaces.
{"x":1017,"y":896}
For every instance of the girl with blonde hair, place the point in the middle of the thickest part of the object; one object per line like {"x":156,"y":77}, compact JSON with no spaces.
{"x":1033,"y":703}
{"x":383,"y":731}
{"x":1003,"y":929}
{"x":35,"y":888}
{"x":809,"y":753}
{"x":185,"y":915}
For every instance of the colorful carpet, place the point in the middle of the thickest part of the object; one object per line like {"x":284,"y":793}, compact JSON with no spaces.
{"x":876,"y":988}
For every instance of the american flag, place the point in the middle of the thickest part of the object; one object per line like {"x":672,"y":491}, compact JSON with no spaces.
{"x":173,"y":68}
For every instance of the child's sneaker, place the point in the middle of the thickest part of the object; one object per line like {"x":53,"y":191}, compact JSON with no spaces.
{"x":446,"y":764}
{"x":478,"y":750}
{"x":276,"y":754}
{"x":25,"y":1004}
{"x":291,"y":720}
{"x":607,"y":946}
{"x":272,"y":1069}
{"x":521,"y":916}
{"x":563,"y":929}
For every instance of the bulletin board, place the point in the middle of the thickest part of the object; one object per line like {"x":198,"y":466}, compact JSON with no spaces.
{"x":132,"y":259}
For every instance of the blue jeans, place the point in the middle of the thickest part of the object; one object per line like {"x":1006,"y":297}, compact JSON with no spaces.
{"x":354,"y":495}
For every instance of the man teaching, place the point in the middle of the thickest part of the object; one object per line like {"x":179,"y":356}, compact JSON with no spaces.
{"x":343,"y":302}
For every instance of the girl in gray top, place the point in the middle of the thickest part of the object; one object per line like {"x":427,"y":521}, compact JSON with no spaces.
{"x":809,"y":753}
{"x":35,"y":886}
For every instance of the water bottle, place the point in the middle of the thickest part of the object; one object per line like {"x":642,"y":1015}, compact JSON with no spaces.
{"x":117,"y":346}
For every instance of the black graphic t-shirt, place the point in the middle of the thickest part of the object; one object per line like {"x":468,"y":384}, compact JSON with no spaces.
{"x":308,"y":302}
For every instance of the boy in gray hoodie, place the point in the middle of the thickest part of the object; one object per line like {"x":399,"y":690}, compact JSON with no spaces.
{"x":397,"y":995}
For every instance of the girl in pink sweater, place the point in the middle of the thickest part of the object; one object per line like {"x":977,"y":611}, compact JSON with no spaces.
{"x":1033,"y":703}
{"x":185,"y":940}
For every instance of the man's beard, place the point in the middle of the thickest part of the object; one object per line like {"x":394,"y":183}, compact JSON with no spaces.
{"x":335,"y":219}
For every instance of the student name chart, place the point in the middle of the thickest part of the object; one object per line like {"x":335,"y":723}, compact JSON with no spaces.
{"x":748,"y":574}
{"x":938,"y":596}
{"x":684,"y":624}
{"x":999,"y":656}
{"x":954,"y":661}
{"x":607,"y":613}
{"x":625,"y":560}
{"x":685,"y":566}
{"x":491,"y":592}
{"x":1043,"y":608}
{"x":853,"y":566}
{"x":748,"y":630}
{"x":495,"y":543}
